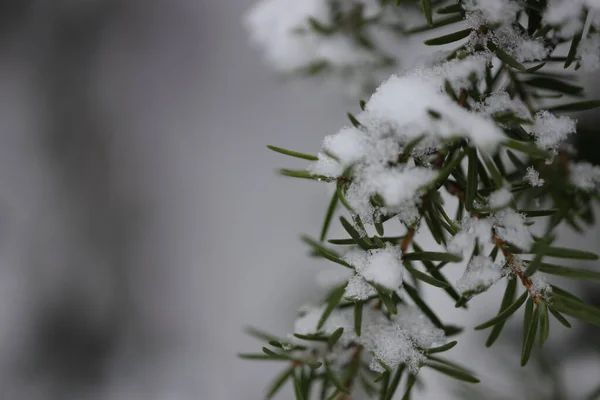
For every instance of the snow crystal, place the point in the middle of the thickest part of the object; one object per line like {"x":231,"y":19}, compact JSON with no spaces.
{"x":480,"y":274}
{"x":533,"y":177}
{"x":384,"y":268}
{"x":550,"y":131}
{"x":471,"y":229}
{"x":585,"y":175}
{"x":509,"y":226}
{"x":500,"y":198}
{"x":500,"y":102}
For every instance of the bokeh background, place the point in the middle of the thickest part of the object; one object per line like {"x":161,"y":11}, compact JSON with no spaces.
{"x":142,"y":225}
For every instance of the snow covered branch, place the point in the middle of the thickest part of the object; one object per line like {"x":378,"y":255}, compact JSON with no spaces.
{"x":472,"y":129}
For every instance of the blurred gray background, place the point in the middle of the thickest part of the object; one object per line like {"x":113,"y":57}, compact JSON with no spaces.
{"x":142,"y":225}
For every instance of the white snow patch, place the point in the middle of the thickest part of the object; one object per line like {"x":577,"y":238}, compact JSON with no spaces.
{"x":481,"y":273}
{"x":585,"y":175}
{"x":550,"y":131}
{"x":533,"y":177}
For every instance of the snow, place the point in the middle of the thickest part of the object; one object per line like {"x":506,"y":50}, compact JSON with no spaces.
{"x":471,"y":229}
{"x":403,"y":104}
{"x":394,"y":341}
{"x":501,"y":13}
{"x":283,"y":31}
{"x":585,"y":175}
{"x":384,"y":268}
{"x":347,"y":145}
{"x":326,"y":166}
{"x":481,"y":273}
{"x":565,"y":15}
{"x":398,"y":112}
{"x":500,"y":102}
{"x":550,"y":131}
{"x":509,"y":226}
{"x":380,"y":267}
{"x":500,"y":198}
{"x":522,"y":48}
{"x":539,"y":284}
{"x":400,"y":187}
{"x":533,"y":177}
{"x":495,"y":11}
{"x":272,"y":23}
{"x":358,"y":289}
{"x":589,"y":52}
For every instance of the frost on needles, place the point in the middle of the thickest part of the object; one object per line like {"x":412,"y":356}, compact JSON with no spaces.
{"x":470,"y":150}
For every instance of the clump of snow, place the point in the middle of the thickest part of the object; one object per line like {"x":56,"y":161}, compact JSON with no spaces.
{"x":550,"y":131}
{"x":585,"y":175}
{"x":284,"y":31}
{"x":326,"y":166}
{"x":481,"y":273}
{"x":589,"y":52}
{"x":533,"y":177}
{"x":494,"y":11}
{"x":380,"y":267}
{"x":502,"y":14}
{"x":402,"y":109}
{"x":404,"y":104}
{"x":460,"y":73}
{"x":500,"y":102}
{"x":274,"y":25}
{"x":358,"y":288}
{"x":509,"y":226}
{"x":395,"y":340}
{"x":500,"y":198}
{"x":472,"y":229}
{"x":521,"y":47}
{"x":565,"y":15}
{"x":384,"y":267}
{"x":539,"y":284}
